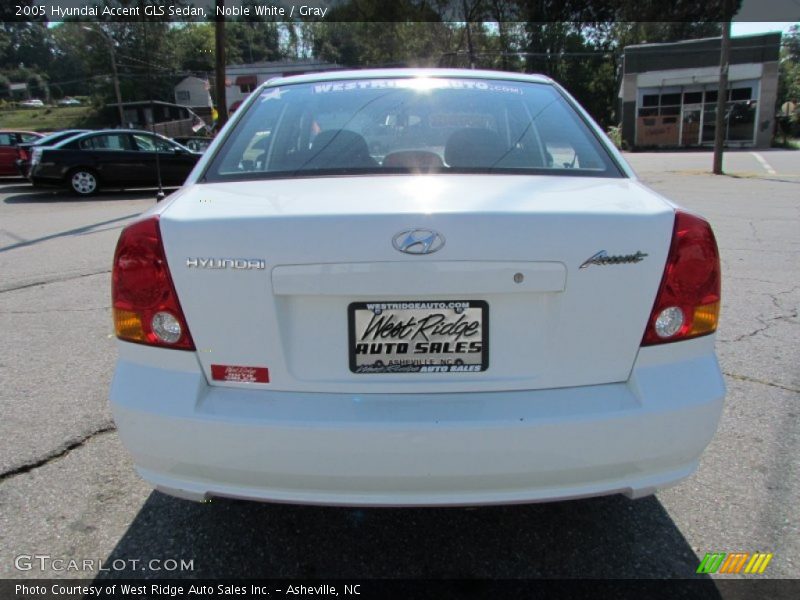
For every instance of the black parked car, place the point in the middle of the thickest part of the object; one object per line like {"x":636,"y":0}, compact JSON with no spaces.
{"x":24,"y":150}
{"x":115,"y":158}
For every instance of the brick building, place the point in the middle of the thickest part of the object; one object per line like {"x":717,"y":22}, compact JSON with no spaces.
{"x":669,"y":92}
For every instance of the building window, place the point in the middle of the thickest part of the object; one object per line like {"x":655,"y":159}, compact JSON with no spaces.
{"x":742,"y":93}
{"x":685,"y":116}
{"x":650,"y":100}
{"x":741,"y":120}
{"x":182,"y":95}
{"x":131,"y":116}
{"x":670,"y":99}
{"x":693,"y":97}
{"x":246,"y":88}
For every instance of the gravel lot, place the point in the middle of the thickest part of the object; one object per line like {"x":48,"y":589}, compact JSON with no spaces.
{"x":67,"y":488}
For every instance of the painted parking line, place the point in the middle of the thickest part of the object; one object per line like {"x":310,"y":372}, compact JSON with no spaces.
{"x":764,"y":163}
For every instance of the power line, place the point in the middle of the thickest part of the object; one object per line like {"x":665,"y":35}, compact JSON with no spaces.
{"x":123,"y":76}
{"x":144,"y":63}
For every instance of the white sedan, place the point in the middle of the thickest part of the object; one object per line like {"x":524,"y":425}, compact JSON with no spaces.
{"x":415,"y":287}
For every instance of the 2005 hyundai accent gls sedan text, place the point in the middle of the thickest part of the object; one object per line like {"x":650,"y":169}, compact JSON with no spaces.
{"x":409,"y":287}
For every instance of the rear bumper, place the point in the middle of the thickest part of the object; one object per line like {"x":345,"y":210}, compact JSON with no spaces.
{"x":196,"y":441}
{"x":46,"y":181}
{"x":47,"y":174}
{"x":23,"y":166}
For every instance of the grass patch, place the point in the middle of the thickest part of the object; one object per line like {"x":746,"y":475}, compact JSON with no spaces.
{"x":50,"y":118}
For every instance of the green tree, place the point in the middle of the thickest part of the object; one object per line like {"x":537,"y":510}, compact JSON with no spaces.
{"x":299,"y":39}
{"x":379,"y":33}
{"x":194,"y":46}
{"x":37,"y":87}
{"x":368,"y":44}
{"x":72,"y":68}
{"x":5,"y":88}
{"x":145,"y":53}
{"x":252,"y":41}
{"x":24,"y":44}
{"x":789,"y":84}
{"x":146,"y":59}
{"x":789,"y":75}
{"x":623,"y":34}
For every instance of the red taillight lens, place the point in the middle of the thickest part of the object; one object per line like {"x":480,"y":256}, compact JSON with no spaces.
{"x":143,"y":298}
{"x":687,"y":304}
{"x":22,"y":154}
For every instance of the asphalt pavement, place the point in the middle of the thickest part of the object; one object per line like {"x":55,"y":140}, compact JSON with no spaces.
{"x":68,"y":489}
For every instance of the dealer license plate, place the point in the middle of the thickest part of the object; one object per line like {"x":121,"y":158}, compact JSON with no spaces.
{"x":439,"y":336}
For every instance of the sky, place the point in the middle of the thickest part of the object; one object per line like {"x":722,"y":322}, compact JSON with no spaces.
{"x":750,"y":28}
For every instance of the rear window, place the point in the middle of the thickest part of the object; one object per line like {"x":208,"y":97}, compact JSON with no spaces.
{"x":419,"y":125}
{"x":54,"y":138}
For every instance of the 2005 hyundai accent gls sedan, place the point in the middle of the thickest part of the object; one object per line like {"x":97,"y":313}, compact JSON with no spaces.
{"x":406,"y":287}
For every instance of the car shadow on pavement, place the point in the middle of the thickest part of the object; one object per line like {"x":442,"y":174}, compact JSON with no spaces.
{"x":34,"y":196}
{"x":608,"y":537}
{"x":85,"y":230}
{"x":39,"y":196}
{"x":23,"y":186}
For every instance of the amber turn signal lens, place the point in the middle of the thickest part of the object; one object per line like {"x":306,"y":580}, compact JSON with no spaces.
{"x":128,"y":325}
{"x":705,"y":319}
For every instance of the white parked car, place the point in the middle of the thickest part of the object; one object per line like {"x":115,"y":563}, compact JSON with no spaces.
{"x":415,"y":287}
{"x":33,"y":103}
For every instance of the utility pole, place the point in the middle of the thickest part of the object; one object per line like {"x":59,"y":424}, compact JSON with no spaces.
{"x":110,"y":43}
{"x":156,"y":150}
{"x":470,"y":49}
{"x":722,"y":94}
{"x":219,"y":40}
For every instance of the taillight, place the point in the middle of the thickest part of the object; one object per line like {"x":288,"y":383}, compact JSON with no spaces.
{"x":22,"y":153}
{"x":143,"y":298}
{"x":687,"y":304}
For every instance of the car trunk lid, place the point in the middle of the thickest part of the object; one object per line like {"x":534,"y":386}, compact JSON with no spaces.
{"x":560,"y":271}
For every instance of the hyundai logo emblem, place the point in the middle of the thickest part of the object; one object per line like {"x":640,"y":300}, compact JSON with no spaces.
{"x":418,"y":241}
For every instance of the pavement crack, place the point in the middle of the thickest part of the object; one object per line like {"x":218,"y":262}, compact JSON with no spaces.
{"x":744,"y":336}
{"x":768,"y":322}
{"x":52,"y":310}
{"x":13,"y":288}
{"x":737,"y":278}
{"x":754,"y":231}
{"x":58,"y":453}
{"x":761,"y":381}
{"x":778,"y":303}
